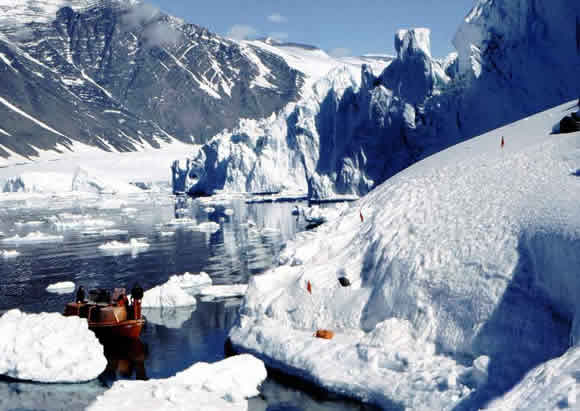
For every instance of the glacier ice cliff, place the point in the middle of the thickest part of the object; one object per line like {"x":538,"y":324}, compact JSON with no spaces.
{"x":354,"y":130}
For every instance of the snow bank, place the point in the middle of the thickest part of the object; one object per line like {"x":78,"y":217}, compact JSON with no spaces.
{"x":63,"y":287}
{"x":34,"y":237}
{"x":49,"y":347}
{"x":220,"y":386}
{"x":463,"y":277}
{"x":169,"y":294}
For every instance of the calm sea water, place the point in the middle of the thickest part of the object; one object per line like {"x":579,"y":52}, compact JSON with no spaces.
{"x":248,"y":242}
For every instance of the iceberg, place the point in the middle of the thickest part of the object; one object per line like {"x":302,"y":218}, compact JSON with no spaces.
{"x":134,"y":244}
{"x":63,"y":287}
{"x":9,"y":253}
{"x":221,"y":386}
{"x":49,"y":347}
{"x":169,"y":294}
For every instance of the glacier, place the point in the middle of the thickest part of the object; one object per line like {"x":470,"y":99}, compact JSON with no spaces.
{"x":354,"y":128}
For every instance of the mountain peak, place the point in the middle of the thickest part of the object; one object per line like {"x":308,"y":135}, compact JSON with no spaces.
{"x":44,"y":11}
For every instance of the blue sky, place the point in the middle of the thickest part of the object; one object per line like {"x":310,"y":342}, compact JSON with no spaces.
{"x":340,"y":26}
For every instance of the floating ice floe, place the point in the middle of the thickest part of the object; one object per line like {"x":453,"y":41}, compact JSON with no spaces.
{"x":30,"y":223}
{"x":221,"y":386}
{"x":63,"y":287}
{"x":134,"y":245}
{"x":223,"y":291}
{"x":209,"y":210}
{"x":112,"y":204}
{"x":113,"y":232}
{"x":181,"y":221}
{"x":169,"y":295}
{"x":167,"y":233}
{"x":228,"y":211}
{"x":208,"y":227}
{"x":34,"y":237}
{"x":49,"y":347}
{"x":66,"y":221}
{"x":9,"y":253}
{"x":188,"y":280}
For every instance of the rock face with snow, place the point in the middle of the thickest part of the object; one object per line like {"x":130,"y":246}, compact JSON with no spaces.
{"x":354,"y":130}
{"x":463,"y":279}
{"x":221,"y":386}
{"x":120,"y":74}
{"x":49,"y":348}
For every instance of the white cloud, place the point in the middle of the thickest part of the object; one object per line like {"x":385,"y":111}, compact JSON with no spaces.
{"x":340,"y":52}
{"x":277,"y":18}
{"x":241,"y":32}
{"x":278,"y":35}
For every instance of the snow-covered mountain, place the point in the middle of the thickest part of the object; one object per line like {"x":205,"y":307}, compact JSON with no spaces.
{"x":118,"y":74}
{"x":463,"y":281}
{"x":354,"y":130}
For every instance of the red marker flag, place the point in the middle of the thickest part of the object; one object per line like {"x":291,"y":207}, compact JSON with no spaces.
{"x":361,"y":217}
{"x":309,"y":287}
{"x":502,"y":142}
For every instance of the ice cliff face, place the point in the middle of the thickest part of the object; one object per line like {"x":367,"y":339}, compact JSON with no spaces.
{"x":513,"y":59}
{"x":330,"y":141}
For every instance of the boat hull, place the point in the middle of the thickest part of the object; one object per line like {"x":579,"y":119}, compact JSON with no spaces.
{"x":124,"y":329}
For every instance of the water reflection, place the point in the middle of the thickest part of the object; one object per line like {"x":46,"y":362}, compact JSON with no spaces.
{"x":125,"y":360}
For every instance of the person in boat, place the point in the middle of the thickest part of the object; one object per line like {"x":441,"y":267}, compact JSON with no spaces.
{"x":80,"y":297}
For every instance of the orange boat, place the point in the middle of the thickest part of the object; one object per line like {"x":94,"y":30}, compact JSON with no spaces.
{"x":110,"y":317}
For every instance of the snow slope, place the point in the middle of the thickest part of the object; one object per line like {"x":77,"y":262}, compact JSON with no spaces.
{"x":221,"y":386}
{"x":463,"y":278}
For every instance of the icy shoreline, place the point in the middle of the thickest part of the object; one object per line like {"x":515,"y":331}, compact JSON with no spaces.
{"x":455,"y":255}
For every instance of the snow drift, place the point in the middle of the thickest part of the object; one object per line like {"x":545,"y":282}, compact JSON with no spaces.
{"x":48,"y":347}
{"x":463,"y":278}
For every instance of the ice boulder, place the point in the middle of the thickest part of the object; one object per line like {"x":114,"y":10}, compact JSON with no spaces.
{"x":49,"y":347}
{"x":221,"y":386}
{"x":169,"y":294}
